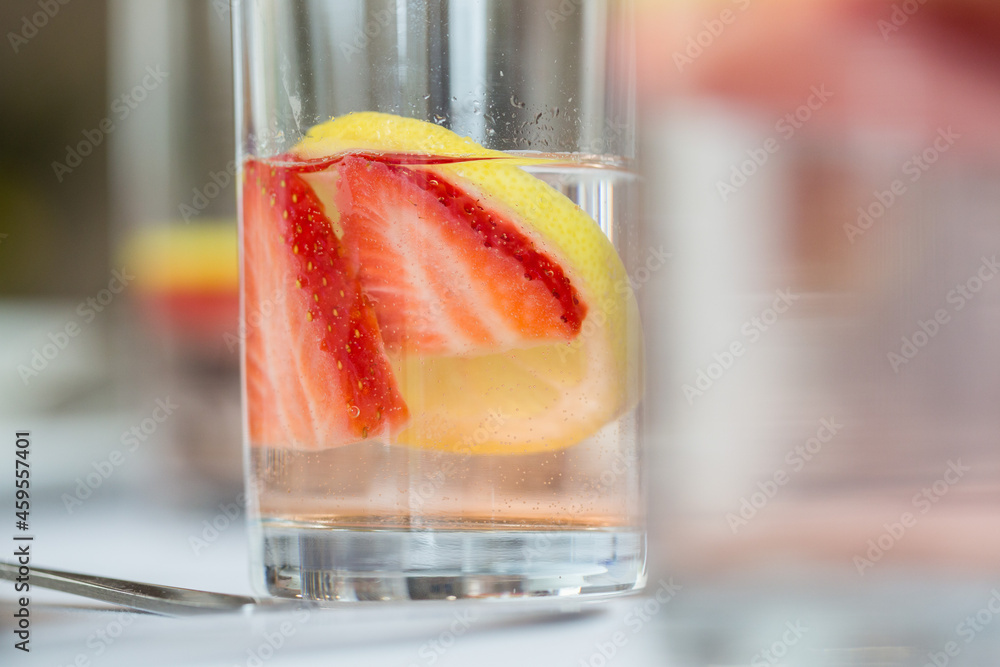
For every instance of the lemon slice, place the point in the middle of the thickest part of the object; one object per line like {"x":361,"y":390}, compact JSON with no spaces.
{"x":529,"y":397}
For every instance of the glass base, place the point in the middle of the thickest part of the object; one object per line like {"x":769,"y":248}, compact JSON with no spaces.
{"x":342,"y":564}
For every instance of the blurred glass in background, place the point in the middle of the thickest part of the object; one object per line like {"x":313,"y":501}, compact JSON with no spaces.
{"x":825,"y":372}
{"x":174,"y":206}
{"x":119,"y":269}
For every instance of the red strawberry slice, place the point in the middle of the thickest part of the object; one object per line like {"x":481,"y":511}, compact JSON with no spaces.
{"x":316,"y":370}
{"x":445,"y":274}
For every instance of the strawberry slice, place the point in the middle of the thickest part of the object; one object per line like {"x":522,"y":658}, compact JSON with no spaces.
{"x":316,"y":370}
{"x":446,"y":274}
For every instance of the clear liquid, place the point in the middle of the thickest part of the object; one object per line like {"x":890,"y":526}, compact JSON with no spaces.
{"x":353,"y":522}
{"x":371,"y":485}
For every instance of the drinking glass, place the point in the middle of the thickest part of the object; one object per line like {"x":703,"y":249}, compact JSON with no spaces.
{"x":441,"y":343}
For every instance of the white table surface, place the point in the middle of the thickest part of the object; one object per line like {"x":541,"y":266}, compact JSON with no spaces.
{"x":900,"y":619}
{"x":125,"y":537}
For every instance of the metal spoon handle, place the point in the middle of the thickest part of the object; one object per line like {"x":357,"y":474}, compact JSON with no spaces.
{"x":163,"y":600}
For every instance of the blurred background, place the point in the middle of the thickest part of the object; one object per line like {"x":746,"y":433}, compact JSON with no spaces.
{"x":823,"y":378}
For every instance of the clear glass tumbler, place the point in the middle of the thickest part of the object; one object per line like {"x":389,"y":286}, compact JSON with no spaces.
{"x":440,"y":252}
